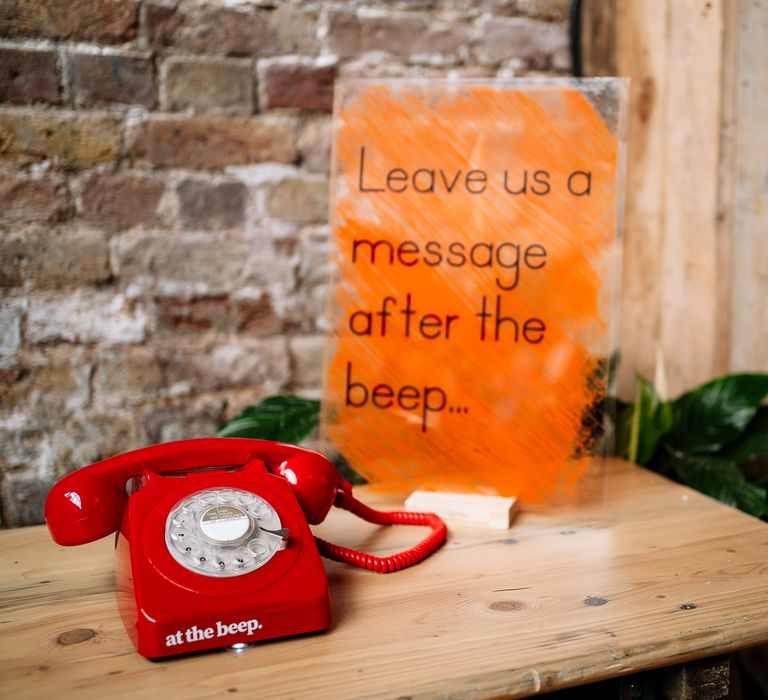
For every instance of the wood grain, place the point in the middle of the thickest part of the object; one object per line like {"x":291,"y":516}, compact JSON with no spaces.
{"x":695,"y":290}
{"x":465,"y":509}
{"x":563,"y":598}
{"x":748,"y":197}
{"x":690,"y":251}
{"x":642,"y":55}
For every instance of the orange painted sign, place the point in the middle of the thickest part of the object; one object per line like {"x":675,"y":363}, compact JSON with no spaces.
{"x":474,"y":227}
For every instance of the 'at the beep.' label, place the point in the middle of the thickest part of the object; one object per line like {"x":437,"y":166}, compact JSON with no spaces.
{"x":220,"y":629}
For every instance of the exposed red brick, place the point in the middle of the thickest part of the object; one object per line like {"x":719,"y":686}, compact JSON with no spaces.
{"x":297,"y":83}
{"x":226,"y":304}
{"x":121,"y":200}
{"x":102,"y":21}
{"x":13,"y":252}
{"x":28,"y":75}
{"x":130,"y":376}
{"x":48,"y":260}
{"x":537,"y":44}
{"x":214,"y":142}
{"x":211,"y":28}
{"x":85,"y":317}
{"x":405,"y":34}
{"x":296,"y":29}
{"x":304,"y":200}
{"x":102,"y":79}
{"x":11,"y":317}
{"x":314,"y":144}
{"x":23,"y":496}
{"x":32,"y":200}
{"x":186,"y":264}
{"x":307,"y":360}
{"x":206,"y":205}
{"x":343,"y":36}
{"x":399,"y":33}
{"x":413,"y":36}
{"x":162,"y":20}
{"x":223,"y":84}
{"x":179,"y":420}
{"x":254,"y":317}
{"x":549,"y":9}
{"x":198,"y":315}
{"x":67,"y":139}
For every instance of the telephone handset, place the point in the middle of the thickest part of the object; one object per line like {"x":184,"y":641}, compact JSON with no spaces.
{"x":213,"y":545}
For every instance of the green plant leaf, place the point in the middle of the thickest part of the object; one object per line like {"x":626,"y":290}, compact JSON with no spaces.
{"x":715,"y":414}
{"x":722,"y":479}
{"x":651,"y":421}
{"x":280,"y":418}
{"x":753,"y":443}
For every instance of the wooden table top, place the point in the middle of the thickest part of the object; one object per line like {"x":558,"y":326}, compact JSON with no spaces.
{"x":655,"y":575}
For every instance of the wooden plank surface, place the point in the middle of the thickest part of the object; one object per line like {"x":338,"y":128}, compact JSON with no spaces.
{"x":694,"y":289}
{"x":657,"y":574}
{"x":694,"y":242}
{"x":642,"y":56}
{"x":749,"y":258}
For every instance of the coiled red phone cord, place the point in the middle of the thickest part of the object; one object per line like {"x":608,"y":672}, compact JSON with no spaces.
{"x":394,"y":562}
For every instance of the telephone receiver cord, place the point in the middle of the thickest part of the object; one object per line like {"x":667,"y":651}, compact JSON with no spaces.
{"x":394,"y":562}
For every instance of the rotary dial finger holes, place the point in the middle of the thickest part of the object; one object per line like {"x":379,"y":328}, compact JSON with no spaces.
{"x":223,"y":532}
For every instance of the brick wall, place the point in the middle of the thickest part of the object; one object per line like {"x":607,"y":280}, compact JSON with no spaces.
{"x":163,"y":202}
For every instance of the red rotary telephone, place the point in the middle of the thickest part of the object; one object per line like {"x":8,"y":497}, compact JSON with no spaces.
{"x":213,"y":545}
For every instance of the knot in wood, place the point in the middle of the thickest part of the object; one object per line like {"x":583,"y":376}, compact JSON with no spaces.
{"x":75,"y":636}
{"x":507,"y":605}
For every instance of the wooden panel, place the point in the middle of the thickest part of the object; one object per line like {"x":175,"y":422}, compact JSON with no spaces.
{"x":695,"y":287}
{"x":642,"y":55}
{"x":655,"y":575}
{"x":749,"y":300}
{"x":691,"y":271}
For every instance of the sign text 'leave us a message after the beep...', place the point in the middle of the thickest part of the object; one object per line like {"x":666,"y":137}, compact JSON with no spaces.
{"x":473,"y":228}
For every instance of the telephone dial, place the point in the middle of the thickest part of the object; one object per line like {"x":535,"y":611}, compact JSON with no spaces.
{"x":213,"y":545}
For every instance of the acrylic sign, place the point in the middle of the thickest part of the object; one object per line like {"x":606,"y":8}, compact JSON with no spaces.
{"x":474,"y":228}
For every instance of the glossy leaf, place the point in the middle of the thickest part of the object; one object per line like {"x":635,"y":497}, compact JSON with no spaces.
{"x":753,"y":443}
{"x":722,"y":479}
{"x":716,"y":413}
{"x":651,"y":421}
{"x":280,"y":418}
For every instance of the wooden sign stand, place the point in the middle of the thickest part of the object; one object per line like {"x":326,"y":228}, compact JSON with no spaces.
{"x":464,"y":509}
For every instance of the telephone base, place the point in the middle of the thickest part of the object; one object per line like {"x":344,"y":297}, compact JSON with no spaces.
{"x":169,"y":609}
